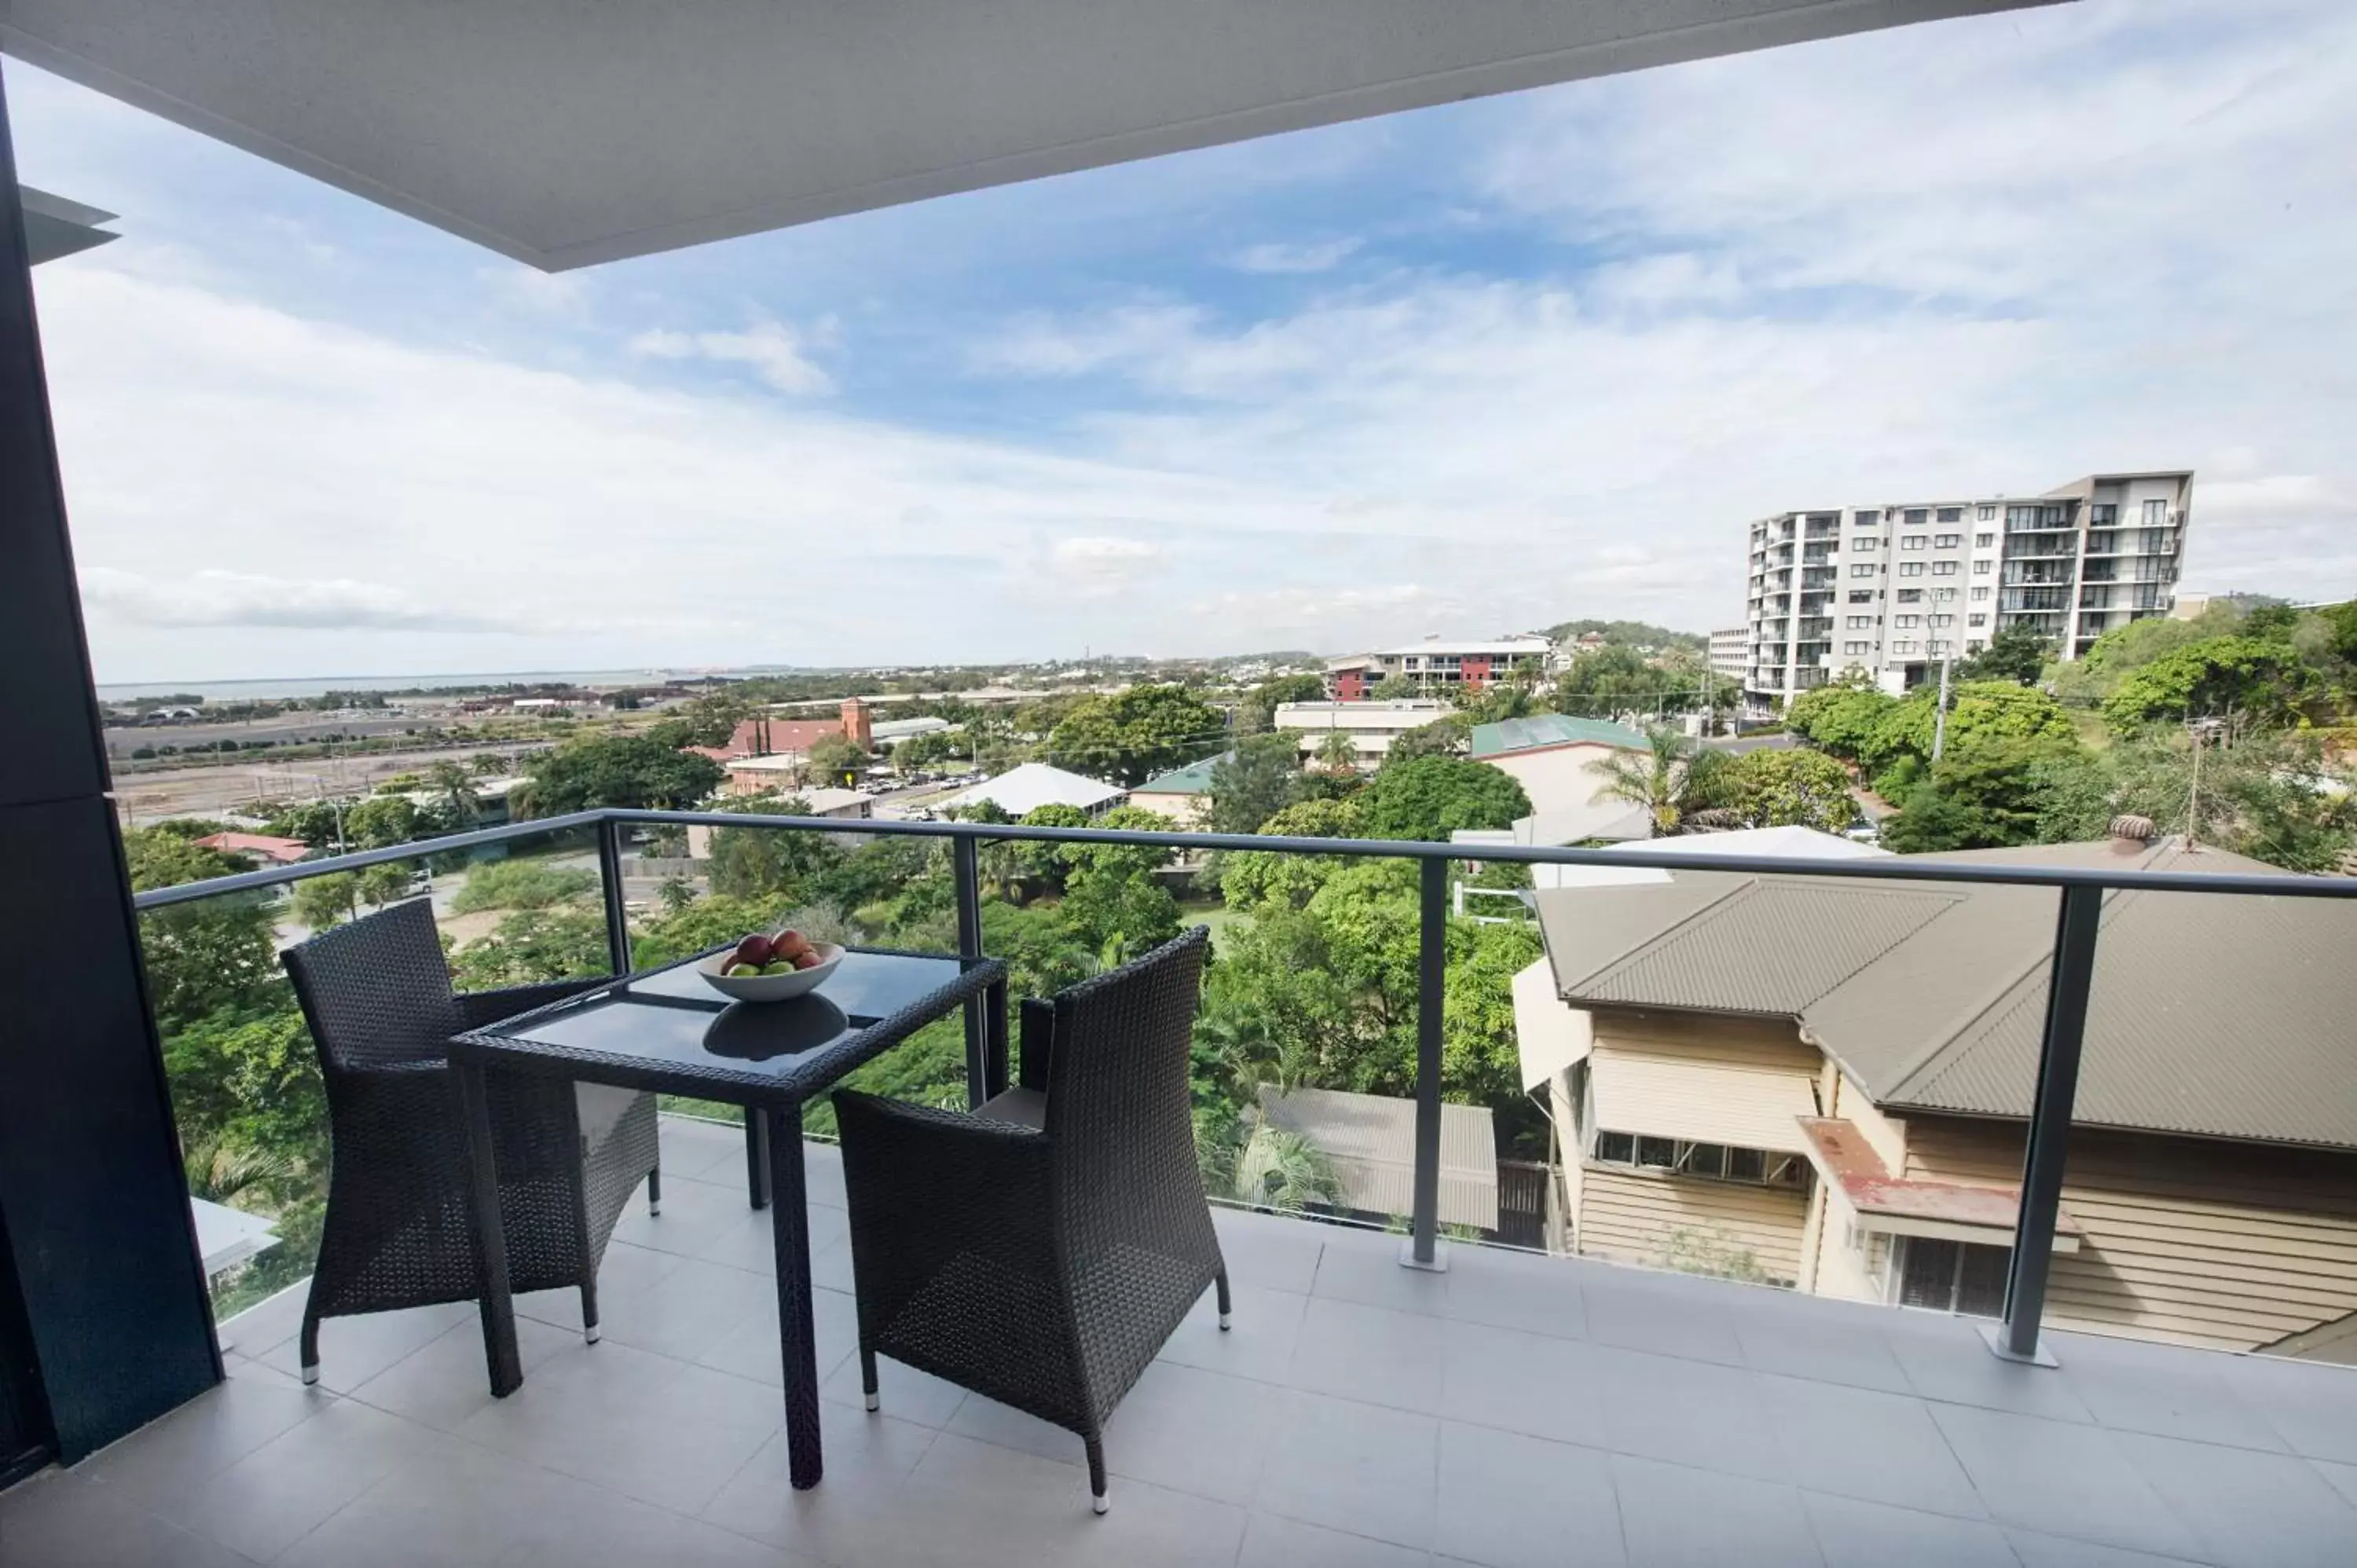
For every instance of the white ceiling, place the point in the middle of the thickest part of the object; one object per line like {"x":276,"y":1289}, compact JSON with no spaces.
{"x":566,"y":132}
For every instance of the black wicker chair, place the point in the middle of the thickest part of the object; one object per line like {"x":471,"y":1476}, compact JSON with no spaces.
{"x":1041,"y":1250}
{"x":378,"y":998}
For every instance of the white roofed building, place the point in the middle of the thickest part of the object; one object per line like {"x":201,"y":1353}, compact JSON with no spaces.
{"x":1021,"y":790}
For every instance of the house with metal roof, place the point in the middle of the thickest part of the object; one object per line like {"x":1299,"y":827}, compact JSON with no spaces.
{"x":1021,"y":790}
{"x":1826,"y":1084}
{"x":1553,"y":757}
{"x":1183,"y":794}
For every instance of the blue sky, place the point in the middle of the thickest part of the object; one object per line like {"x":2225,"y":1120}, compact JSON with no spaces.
{"x":1470,"y":369}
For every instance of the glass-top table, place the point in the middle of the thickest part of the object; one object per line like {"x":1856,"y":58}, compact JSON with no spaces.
{"x":666,"y":1030}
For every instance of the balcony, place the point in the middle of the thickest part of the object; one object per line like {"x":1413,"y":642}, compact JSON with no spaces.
{"x":1516,"y":1408}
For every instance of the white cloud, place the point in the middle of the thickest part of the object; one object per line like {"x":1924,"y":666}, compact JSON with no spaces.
{"x":772,"y":350}
{"x":1298,"y":256}
{"x":213,"y":599}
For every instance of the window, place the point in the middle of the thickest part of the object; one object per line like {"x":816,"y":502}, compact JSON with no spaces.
{"x":1943,"y":620}
{"x":1907,"y":622}
{"x":1982,"y":568}
{"x":2155,"y":514}
{"x":1910,"y":596}
{"x":1942,"y":595}
{"x":1952,"y":1276}
{"x":1980,"y":594}
{"x":1904,"y":645}
{"x":2103,"y":515}
{"x":1946,"y":540}
{"x":1950,"y":514}
{"x":1936,"y":645}
{"x":1864,"y":541}
{"x":1855,"y":648}
{"x":1976,"y":619}
{"x":1985,"y":513}
{"x":1860,"y":623}
{"x":1864,"y":569}
{"x":1915,"y":515}
{"x":1717,"y":1162}
{"x":1908,"y":568}
{"x":1868,"y":519}
{"x":1943,"y":568}
{"x":1861,"y":596}
{"x":1910,"y":542}
{"x":1983,"y":541}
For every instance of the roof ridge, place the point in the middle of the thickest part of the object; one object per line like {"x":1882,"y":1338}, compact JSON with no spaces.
{"x":1563,"y":987}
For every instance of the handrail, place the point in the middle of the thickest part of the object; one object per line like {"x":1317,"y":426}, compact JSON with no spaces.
{"x":359,"y":859}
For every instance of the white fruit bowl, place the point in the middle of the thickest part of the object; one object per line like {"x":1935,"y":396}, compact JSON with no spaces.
{"x":769,"y":987}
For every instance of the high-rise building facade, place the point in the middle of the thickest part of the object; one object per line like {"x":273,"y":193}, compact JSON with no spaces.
{"x":1891,"y":590}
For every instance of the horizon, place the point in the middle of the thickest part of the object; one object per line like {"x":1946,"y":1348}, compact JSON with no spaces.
{"x":1458,"y":368}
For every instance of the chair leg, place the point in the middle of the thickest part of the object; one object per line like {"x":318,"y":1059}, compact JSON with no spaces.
{"x":1097,"y":1475}
{"x":1226,"y":1307}
{"x":867,"y":1378}
{"x":655,"y":1190}
{"x":589,"y":1309}
{"x":310,"y":1359}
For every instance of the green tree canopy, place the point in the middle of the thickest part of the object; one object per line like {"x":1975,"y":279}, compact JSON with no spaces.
{"x":2016,"y":653}
{"x":1842,"y":717}
{"x":767,"y":862}
{"x":1789,"y":787}
{"x":2243,"y":676}
{"x":1256,"y":713}
{"x":1254,"y":782}
{"x":835,"y":759}
{"x":1430,"y":797}
{"x":1671,"y":779}
{"x":202,"y":957}
{"x":626,"y":770}
{"x":1979,"y":713}
{"x":1393,"y":689}
{"x":1981,"y":797}
{"x":1252,"y":880}
{"x":1132,"y":735}
{"x":1448,"y":735}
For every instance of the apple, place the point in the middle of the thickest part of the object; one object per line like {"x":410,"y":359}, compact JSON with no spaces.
{"x":753,"y":950}
{"x":807,"y":960}
{"x":739,"y":971}
{"x":777,"y":967}
{"x":789,"y":943}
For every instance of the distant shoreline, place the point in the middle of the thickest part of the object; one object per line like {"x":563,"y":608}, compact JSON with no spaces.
{"x":314,"y":685}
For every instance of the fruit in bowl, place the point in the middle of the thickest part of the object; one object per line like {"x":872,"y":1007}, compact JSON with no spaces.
{"x":771,"y":968}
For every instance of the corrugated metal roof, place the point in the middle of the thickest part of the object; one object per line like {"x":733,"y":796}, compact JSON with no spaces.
{"x":1552,"y":729}
{"x":2219,"y":1017}
{"x":1369,"y":1139}
{"x":1195,"y":778}
{"x":1702,"y":1101}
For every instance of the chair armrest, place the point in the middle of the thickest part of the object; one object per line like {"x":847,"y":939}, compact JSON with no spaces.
{"x":925,"y":1186}
{"x":1038,"y":1043}
{"x":481,"y":1009}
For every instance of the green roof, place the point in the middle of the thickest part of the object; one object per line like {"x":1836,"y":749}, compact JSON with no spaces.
{"x":1552,"y":729}
{"x":1195,"y":778}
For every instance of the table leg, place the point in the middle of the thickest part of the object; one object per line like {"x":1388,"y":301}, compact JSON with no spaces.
{"x":790,"y":1225}
{"x":757,"y":1157}
{"x":491,"y":1239}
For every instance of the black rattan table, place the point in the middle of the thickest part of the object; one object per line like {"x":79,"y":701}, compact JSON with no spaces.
{"x":665,"y":1029}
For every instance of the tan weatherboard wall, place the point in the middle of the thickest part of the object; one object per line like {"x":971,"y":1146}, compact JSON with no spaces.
{"x":2196,"y":1243}
{"x":1186,"y":810}
{"x":1640,"y":1217}
{"x":1558,"y":778}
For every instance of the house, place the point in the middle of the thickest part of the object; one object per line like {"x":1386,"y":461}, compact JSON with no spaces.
{"x":1183,"y":794}
{"x":1022,"y":790}
{"x":277,"y":851}
{"x":1553,"y":756}
{"x":1826,"y":1084}
{"x":890,"y":732}
{"x":766,"y":735}
{"x":1372,"y":727}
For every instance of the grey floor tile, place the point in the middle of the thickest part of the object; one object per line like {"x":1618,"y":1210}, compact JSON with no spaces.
{"x":2313,"y":1408}
{"x":972,"y":1504}
{"x":832,"y":1266}
{"x":269,"y":1321}
{"x":748,"y":1345}
{"x":2061,"y":1478}
{"x":1828,"y":1349}
{"x":1366,"y":1269}
{"x":905,"y":1392}
{"x":354,"y":1349}
{"x":702,"y":1151}
{"x":2165,"y":1389}
{"x":2037,"y":1551}
{"x":2343,"y":1477}
{"x":1853,"y":1534}
{"x":682,"y":1313}
{"x":1532,"y":1384}
{"x":1276,"y":1254}
{"x":448,"y":1381}
{"x":867,"y":1461}
{"x":1880,"y":1447}
{"x":625,"y":1271}
{"x":290,"y":1486}
{"x":1514,"y":1290}
{"x":165,"y":1467}
{"x":1946,"y":1360}
{"x":1511,"y":1501}
{"x":1193,"y":1430}
{"x":823,"y":1173}
{"x":1665,"y":1317}
{"x":643,"y":1425}
{"x":461,"y":1507}
{"x":987,"y":1421}
{"x":694,"y":1215}
{"x":1359,"y":1468}
{"x":1271,"y":1541}
{"x":61,"y":1521}
{"x":1369,"y":1354}
{"x":2248,"y":1508}
{"x":1673,"y":1516}
{"x":1266,"y":1324}
{"x":1687,"y":1413}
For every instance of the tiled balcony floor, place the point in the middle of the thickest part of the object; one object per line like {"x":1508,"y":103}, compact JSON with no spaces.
{"x":1515,"y":1411}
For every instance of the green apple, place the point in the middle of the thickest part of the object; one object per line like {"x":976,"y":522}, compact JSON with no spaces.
{"x":777,"y":969}
{"x":739,"y":971}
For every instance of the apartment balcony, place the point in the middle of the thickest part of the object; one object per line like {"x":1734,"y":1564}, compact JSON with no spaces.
{"x":1516,"y":1408}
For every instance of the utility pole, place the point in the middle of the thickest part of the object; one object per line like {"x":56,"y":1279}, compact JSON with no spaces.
{"x":2198,"y":729}
{"x":1939,"y":713}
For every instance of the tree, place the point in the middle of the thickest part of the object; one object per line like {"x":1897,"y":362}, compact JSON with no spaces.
{"x":1430,"y":797}
{"x":381,"y":821}
{"x":1393,"y":689}
{"x":2093,"y":676}
{"x":754,"y":863}
{"x":633,"y":771}
{"x":1338,"y":752}
{"x":1672,"y":778}
{"x":835,"y":759}
{"x":1615,"y":679}
{"x":203,"y":957}
{"x":1256,"y":713}
{"x":2262,"y":680}
{"x":1252,"y":880}
{"x":1448,"y":735}
{"x":522,"y":883}
{"x":1981,"y":796}
{"x":531,"y":946}
{"x":1638,"y":633}
{"x":1790,"y":787}
{"x":329,"y":900}
{"x":457,"y":788}
{"x":2016,"y":653}
{"x":1841,"y":716}
{"x":1132,"y":735}
{"x":2274,"y":796}
{"x":1979,"y":712}
{"x":1254,"y":782}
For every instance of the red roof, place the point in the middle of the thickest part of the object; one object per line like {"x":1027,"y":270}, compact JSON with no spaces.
{"x":285,"y":852}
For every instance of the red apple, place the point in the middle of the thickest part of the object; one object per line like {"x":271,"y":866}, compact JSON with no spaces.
{"x":755,"y":950}
{"x":807,"y":960}
{"x":789,"y":943}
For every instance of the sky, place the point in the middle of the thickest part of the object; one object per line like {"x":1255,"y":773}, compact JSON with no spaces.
{"x":1466,"y":371}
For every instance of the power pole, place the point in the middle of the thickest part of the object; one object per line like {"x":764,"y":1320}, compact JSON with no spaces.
{"x":1939,"y":713}
{"x":2197,"y":728}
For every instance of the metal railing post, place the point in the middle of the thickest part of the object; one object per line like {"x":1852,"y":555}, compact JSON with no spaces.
{"x":966,"y":856}
{"x":2067,"y":985}
{"x":1431,"y":987}
{"x":609,"y":880}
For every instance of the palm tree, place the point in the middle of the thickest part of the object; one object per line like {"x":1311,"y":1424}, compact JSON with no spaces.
{"x":1337,"y":753}
{"x":457,"y":787}
{"x":1285,"y":1171}
{"x":1672,"y":778}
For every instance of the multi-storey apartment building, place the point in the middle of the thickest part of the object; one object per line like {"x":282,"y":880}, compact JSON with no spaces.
{"x":1892,"y":590}
{"x":1730,"y":651}
{"x":1438,"y":666}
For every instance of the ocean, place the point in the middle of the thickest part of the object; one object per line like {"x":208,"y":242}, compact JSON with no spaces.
{"x":312,"y":686}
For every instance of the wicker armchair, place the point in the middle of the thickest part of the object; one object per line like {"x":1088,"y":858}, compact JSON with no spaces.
{"x":378,"y":998}
{"x":1041,"y":1250}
